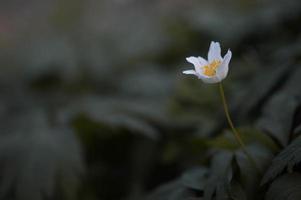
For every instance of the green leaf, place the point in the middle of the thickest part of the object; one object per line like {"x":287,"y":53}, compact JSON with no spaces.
{"x":220,"y":176}
{"x":278,"y":115}
{"x":236,"y":191}
{"x":172,"y":191}
{"x":249,"y":136}
{"x":287,"y":158}
{"x":225,"y":141}
{"x":39,"y":161}
{"x":115,"y":114}
{"x":246,"y":174}
{"x":195,"y":178}
{"x":286,"y":187}
{"x":246,"y":103}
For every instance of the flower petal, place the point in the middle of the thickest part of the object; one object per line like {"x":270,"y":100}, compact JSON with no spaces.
{"x":202,"y":61}
{"x":190,"y":72}
{"x":206,"y":79}
{"x":227,"y":57}
{"x":214,"y":52}
{"x":194,"y":61}
{"x":222,"y":70}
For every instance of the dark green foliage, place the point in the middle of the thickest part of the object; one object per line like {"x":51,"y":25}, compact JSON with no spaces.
{"x":34,"y":164}
{"x":94,"y":104}
{"x":287,"y":159}
{"x":220,"y":176}
{"x":278,"y":117}
{"x":173,"y":191}
{"x":286,"y":187}
{"x":195,"y":178}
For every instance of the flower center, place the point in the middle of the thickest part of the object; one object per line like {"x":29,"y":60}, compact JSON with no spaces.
{"x":210,"y":69}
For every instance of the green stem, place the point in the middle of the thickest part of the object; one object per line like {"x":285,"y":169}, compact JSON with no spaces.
{"x":234,"y":130}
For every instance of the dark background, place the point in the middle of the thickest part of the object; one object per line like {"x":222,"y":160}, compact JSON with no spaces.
{"x":94,"y":105}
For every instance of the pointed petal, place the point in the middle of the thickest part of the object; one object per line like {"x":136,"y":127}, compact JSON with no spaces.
{"x":222,"y":70}
{"x":190,"y":72}
{"x":214,"y":52}
{"x":196,"y":62}
{"x":193,"y":60}
{"x":227,"y":57}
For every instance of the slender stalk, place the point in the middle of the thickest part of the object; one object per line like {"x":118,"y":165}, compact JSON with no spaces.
{"x":234,"y":130}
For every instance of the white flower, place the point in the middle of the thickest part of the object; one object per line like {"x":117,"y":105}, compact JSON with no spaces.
{"x":213,"y":70}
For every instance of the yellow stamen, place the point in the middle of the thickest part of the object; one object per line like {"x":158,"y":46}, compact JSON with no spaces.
{"x":210,"y":69}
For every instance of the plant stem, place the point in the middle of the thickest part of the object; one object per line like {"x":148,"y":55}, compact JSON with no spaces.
{"x":234,"y":130}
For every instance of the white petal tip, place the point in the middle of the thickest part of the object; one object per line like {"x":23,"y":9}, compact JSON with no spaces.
{"x":228,"y":54}
{"x":189,"y":72}
{"x":190,"y":59}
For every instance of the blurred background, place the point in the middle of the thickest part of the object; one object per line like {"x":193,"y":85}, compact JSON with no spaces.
{"x":93,"y":103}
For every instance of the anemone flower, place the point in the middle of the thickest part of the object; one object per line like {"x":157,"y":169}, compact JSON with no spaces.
{"x":213,"y":70}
